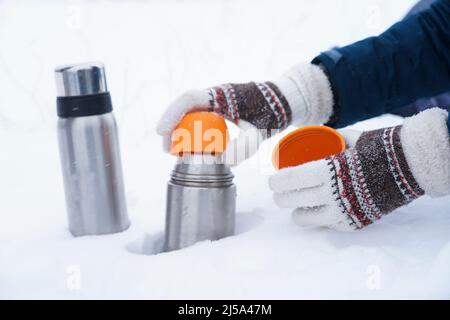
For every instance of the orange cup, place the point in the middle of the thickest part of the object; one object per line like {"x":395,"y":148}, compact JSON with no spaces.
{"x":200,"y":133}
{"x":307,"y":144}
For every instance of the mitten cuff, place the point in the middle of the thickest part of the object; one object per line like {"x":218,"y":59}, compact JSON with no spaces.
{"x":426,"y":145}
{"x":308,"y":92}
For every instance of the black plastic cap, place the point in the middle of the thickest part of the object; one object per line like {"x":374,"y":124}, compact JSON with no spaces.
{"x":83,"y":106}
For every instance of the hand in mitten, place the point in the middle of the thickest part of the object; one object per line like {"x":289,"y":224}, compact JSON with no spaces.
{"x":302,"y":96}
{"x":381,"y":171}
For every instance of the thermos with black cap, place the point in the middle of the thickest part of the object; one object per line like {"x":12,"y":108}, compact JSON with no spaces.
{"x":89,"y":149}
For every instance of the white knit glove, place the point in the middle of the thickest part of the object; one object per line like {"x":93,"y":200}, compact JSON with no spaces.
{"x":302,"y":96}
{"x":381,"y":171}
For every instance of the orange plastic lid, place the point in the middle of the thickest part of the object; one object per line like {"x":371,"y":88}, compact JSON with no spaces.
{"x":307,"y":144}
{"x":200,"y":133}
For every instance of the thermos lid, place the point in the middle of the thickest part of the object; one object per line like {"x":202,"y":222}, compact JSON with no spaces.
{"x":310,"y":143}
{"x":200,"y":133}
{"x":80,"y":79}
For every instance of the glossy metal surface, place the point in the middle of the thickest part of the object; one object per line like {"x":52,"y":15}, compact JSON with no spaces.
{"x":80,"y":79}
{"x":201,"y":204}
{"x":92,"y":172}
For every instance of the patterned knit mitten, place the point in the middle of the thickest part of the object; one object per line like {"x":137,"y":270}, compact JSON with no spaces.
{"x":302,"y":96}
{"x":381,"y":171}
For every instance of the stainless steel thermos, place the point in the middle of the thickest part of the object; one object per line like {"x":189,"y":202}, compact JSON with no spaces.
{"x":89,"y":150}
{"x":201,"y":196}
{"x":201,"y":203}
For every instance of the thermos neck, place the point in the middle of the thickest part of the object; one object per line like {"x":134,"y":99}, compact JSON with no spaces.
{"x":200,"y":158}
{"x":204,"y":171}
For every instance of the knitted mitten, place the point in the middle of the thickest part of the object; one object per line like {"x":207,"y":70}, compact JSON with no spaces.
{"x":381,"y":171}
{"x":261,"y":104}
{"x":302,"y":96}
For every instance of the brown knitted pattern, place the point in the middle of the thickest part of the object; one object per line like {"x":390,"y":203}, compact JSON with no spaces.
{"x":261,"y":104}
{"x":373,"y":179}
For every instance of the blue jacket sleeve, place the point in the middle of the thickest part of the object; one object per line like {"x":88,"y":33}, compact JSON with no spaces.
{"x":378,"y":75}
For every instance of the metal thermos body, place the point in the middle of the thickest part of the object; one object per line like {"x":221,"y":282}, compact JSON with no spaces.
{"x":89,"y":151}
{"x":201,"y":204}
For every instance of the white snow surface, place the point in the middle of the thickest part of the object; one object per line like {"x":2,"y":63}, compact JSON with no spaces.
{"x":154,"y":51}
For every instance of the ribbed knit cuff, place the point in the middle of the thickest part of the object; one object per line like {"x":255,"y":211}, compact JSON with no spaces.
{"x":426,"y":143}
{"x":308,"y":92}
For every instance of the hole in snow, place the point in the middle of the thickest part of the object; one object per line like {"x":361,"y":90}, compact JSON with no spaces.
{"x":246,"y":221}
{"x":148,"y":244}
{"x":153,"y":244}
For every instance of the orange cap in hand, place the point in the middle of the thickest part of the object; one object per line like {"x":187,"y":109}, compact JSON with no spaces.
{"x":200,"y":133}
{"x":307,"y":144}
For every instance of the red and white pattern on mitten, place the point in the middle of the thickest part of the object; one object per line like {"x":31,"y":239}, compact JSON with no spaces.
{"x":302,"y":96}
{"x":373,"y":179}
{"x":380,"y":171}
{"x":260,"y":104}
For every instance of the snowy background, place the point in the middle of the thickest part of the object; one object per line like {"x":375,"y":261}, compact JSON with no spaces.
{"x":153,"y":51}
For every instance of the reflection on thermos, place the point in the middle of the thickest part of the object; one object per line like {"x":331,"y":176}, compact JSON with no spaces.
{"x":201,"y":204}
{"x":89,"y":150}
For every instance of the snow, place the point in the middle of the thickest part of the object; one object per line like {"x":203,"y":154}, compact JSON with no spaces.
{"x":154,"y":51}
